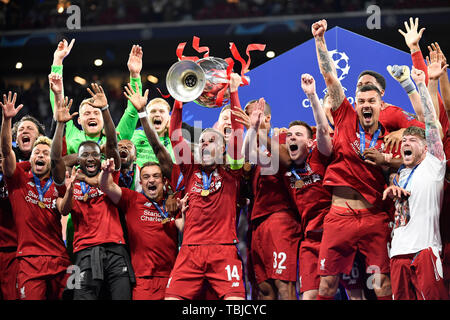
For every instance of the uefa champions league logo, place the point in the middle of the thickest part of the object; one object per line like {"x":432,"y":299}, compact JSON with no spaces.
{"x":340,"y":60}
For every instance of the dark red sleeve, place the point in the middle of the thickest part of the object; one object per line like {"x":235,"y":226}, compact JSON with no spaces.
{"x":17,"y":179}
{"x":237,"y":139}
{"x":179,"y":145}
{"x":342,"y":113}
{"x":124,"y":201}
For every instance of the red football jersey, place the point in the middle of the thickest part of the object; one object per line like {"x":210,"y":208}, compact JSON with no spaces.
{"x":312,"y":199}
{"x":153,"y":245}
{"x":348,"y":168}
{"x":269,"y":192}
{"x":8,"y":232}
{"x":96,"y":220}
{"x":39,"y":230}
{"x":211,"y":219}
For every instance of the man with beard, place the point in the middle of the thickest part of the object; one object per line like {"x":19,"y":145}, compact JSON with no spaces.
{"x":152,"y":233}
{"x":303,"y":175}
{"x":356,"y":221}
{"x":129,"y":170}
{"x":208,"y":252}
{"x":273,"y":250}
{"x":24,"y":134}
{"x":99,"y":244}
{"x":416,"y":267}
{"x":158,"y":111}
{"x":37,"y":208}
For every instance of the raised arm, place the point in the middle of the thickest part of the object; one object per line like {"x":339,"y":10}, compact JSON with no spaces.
{"x":236,"y":140}
{"x":9,"y":112}
{"x":435,"y":70}
{"x":62,"y":50}
{"x":64,"y":204}
{"x":106,"y":182}
{"x":434,"y":141}
{"x":180,"y":147}
{"x":129,"y":119}
{"x":402,"y":75}
{"x":98,"y":100}
{"x":326,"y":65}
{"x":61,"y":115}
{"x":139,"y":102}
{"x":444,"y":82}
{"x":324,"y":144}
{"x":251,"y":150}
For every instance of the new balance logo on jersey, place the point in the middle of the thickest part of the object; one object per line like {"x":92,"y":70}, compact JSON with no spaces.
{"x":148,"y":204}
{"x":31,"y":184}
{"x":235,"y":284}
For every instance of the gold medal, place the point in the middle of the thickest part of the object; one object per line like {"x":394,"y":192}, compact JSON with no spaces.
{"x":85,"y":197}
{"x":41,"y":204}
{"x":205,"y":193}
{"x":163,"y":221}
{"x":299,"y":184}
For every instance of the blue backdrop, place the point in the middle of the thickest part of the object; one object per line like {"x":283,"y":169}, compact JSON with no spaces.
{"x":278,"y":80}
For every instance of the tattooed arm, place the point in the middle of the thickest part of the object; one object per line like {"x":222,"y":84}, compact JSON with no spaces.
{"x":326,"y":65}
{"x":432,"y":134}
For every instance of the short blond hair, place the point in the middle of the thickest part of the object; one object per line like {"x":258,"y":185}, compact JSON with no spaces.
{"x":43,"y":140}
{"x":158,"y":101}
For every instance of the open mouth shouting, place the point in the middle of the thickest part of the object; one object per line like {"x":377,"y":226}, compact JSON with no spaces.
{"x":227,"y":131}
{"x":367,"y":114}
{"x":157,"y":123}
{"x":123,"y":153}
{"x":91,"y":168}
{"x":25,"y":142}
{"x":293,"y":150}
{"x":407,"y":154}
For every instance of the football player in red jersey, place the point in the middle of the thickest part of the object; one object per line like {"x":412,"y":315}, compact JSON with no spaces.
{"x":36,"y":205}
{"x":356,"y":193}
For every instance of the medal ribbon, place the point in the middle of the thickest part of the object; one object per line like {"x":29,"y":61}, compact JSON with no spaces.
{"x":180,"y":178}
{"x":362,"y":139}
{"x":84,"y":189}
{"x":245,"y":64}
{"x":206,"y":180}
{"x":41,"y":191}
{"x":407,"y":180}
{"x":162,"y":211}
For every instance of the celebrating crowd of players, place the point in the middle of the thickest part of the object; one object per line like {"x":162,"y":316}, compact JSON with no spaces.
{"x":359,"y":201}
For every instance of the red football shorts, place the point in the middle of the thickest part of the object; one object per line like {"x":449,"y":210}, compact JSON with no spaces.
{"x":274,"y":247}
{"x":220,"y":265}
{"x":8,"y":276}
{"x":347,"y":231}
{"x":42,"y":277}
{"x":308,"y":258}
{"x":150,"y":288}
{"x":418,"y":276}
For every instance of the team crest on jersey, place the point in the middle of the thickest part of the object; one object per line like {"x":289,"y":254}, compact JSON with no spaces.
{"x":307,"y":179}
